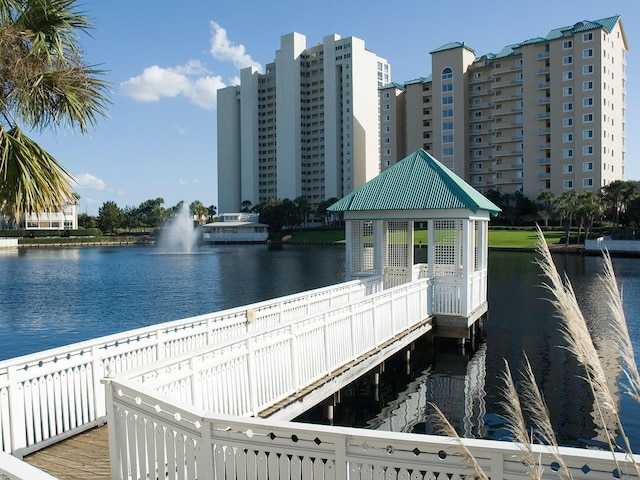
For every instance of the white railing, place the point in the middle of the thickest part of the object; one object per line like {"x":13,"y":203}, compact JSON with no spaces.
{"x":247,"y":375}
{"x":12,"y":468}
{"x":251,"y":373}
{"x":51,"y":395}
{"x":601,"y":243}
{"x":158,"y":437}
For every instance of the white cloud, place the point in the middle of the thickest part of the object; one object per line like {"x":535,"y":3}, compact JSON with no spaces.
{"x":156,"y":82}
{"x":223,"y":49}
{"x":192,"y":80}
{"x":90,"y":182}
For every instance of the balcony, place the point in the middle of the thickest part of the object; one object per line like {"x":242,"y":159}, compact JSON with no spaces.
{"x":542,"y":55}
{"x":544,"y":161}
{"x":544,"y":101}
{"x":543,"y":85}
{"x":544,"y":146}
{"x":543,"y":131}
{"x":544,"y":176}
{"x":543,"y":70}
{"x":544,"y":116}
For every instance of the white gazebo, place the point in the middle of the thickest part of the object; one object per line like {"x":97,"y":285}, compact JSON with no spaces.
{"x":381,"y":217}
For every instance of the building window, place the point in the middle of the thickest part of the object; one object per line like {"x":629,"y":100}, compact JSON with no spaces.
{"x":587,"y":85}
{"x":588,"y":150}
{"x":587,"y":182}
{"x":386,"y":118}
{"x":567,"y":122}
{"x":587,"y":69}
{"x":385,"y":95}
{"x":586,"y":134}
{"x":567,"y":60}
{"x":587,"y":37}
{"x":567,"y":91}
{"x":567,"y":184}
{"x":448,"y":100}
{"x":387,"y":140}
{"x":587,"y":102}
{"x":447,"y":139}
{"x":587,"y":166}
{"x":567,"y":137}
{"x":567,"y":44}
{"x":447,"y":126}
{"x":447,"y":152}
{"x":587,"y":53}
{"x":567,"y":76}
{"x":386,"y":106}
{"x":567,"y":168}
{"x":567,"y":153}
{"x":567,"y":107}
{"x":587,"y":118}
{"x":447,"y":73}
{"x":387,"y":129}
{"x":447,"y":113}
{"x":447,"y":87}
{"x":387,"y":152}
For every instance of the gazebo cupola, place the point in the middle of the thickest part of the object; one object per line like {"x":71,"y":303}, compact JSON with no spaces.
{"x":380,"y":217}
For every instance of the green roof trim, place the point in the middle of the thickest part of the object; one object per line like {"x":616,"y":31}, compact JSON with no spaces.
{"x":451,"y":46}
{"x":417,"y":182}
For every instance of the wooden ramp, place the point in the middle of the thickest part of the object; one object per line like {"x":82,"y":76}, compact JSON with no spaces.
{"x":84,"y":456}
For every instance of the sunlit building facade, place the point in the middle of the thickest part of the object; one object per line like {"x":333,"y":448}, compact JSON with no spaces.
{"x":307,"y":127}
{"x":544,"y":114}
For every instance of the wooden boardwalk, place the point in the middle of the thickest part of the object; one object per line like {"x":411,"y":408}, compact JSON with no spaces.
{"x":84,"y":456}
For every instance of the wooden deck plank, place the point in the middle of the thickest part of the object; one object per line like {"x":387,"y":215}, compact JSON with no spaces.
{"x":84,"y":456}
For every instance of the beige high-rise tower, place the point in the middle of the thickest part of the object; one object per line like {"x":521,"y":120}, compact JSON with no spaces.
{"x":306,"y":127}
{"x":543,"y":114}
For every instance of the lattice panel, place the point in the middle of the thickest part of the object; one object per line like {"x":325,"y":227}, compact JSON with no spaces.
{"x":362,"y":254}
{"x":448,"y":248}
{"x":475,"y":228}
{"x":396,"y":237}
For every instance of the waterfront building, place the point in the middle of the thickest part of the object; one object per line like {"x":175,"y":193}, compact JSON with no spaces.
{"x":546,"y":113}
{"x":306,"y":127}
{"x":64,"y":219}
{"x":242,"y":227}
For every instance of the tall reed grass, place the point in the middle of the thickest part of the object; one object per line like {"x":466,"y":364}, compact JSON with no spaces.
{"x":525,"y":410}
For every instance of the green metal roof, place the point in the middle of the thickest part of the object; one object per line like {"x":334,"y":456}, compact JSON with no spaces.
{"x":417,"y":182}
{"x":451,"y":46}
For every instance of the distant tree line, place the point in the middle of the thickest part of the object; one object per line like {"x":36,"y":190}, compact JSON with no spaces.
{"x":617,"y":205}
{"x":146,"y":217}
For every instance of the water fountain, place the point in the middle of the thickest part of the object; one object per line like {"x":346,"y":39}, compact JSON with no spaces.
{"x":179,"y":234}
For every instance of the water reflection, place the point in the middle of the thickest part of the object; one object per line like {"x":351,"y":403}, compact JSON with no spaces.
{"x":467,"y":387}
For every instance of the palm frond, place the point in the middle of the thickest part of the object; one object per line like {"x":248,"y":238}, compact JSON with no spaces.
{"x":31,"y":180}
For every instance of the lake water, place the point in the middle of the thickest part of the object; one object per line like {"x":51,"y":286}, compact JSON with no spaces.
{"x":52,"y":297}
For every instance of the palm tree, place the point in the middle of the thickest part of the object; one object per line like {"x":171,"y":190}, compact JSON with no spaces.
{"x":547,"y":200}
{"x":45,"y":84}
{"x":566,"y":205}
{"x":199,"y":211}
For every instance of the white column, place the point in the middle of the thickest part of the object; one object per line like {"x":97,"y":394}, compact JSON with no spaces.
{"x":379,"y":246}
{"x":348,"y":228}
{"x":410,"y":250}
{"x":431,"y":248}
{"x":467,"y":265}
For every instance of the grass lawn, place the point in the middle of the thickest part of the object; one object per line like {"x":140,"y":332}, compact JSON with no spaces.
{"x":497,"y":238}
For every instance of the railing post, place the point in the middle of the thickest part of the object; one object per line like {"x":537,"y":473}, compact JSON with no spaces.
{"x":204,"y":452}
{"x":342,"y":465}
{"x":99,"y":371}
{"x":497,"y":466}
{"x":294,"y":359}
{"x":251,"y":370}
{"x":196,"y":383}
{"x":16,"y":410}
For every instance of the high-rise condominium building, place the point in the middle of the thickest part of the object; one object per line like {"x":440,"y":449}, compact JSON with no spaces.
{"x":544,"y":114}
{"x":307,"y":127}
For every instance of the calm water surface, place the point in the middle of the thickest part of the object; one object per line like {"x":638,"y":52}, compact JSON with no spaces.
{"x":52,"y":297}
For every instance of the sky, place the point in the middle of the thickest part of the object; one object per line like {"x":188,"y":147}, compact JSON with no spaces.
{"x":165,"y":61}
